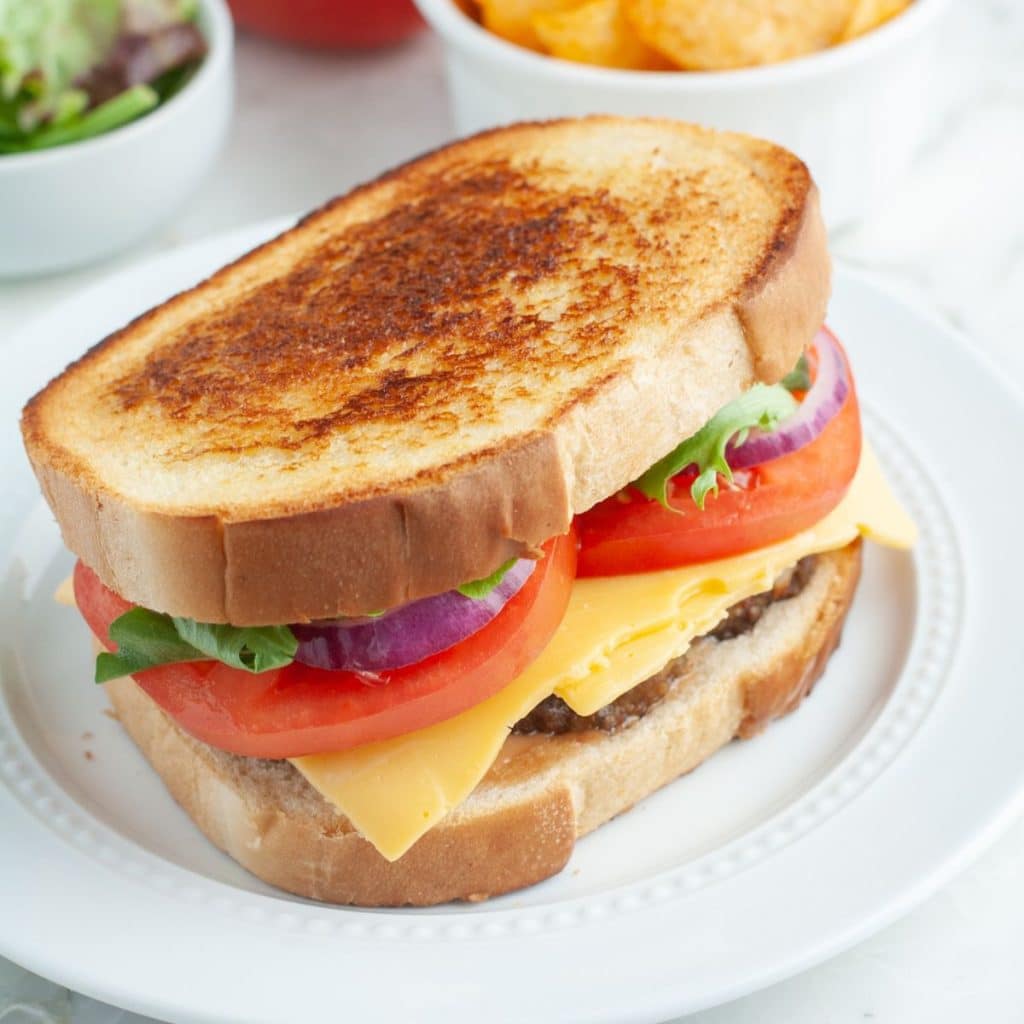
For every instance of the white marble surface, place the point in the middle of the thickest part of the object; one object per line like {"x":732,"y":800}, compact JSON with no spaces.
{"x":308,"y":127}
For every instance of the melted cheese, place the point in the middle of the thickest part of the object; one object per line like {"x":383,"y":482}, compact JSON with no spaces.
{"x":617,"y":632}
{"x":65,"y":593}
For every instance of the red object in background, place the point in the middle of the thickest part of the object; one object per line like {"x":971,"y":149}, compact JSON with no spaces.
{"x":329,"y":23}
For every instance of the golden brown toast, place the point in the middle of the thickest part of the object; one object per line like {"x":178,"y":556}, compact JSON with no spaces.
{"x":433,"y":373}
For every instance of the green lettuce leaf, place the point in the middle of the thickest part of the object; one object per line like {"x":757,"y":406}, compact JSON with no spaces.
{"x":763,"y":406}
{"x":146,"y":639}
{"x":124,"y":107}
{"x":252,"y":648}
{"x":64,"y":74}
{"x":479,"y":589}
{"x":45,"y":45}
{"x":799,"y":378}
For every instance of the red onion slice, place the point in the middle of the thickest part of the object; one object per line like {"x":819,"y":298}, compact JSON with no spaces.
{"x":820,"y":404}
{"x":408,"y":634}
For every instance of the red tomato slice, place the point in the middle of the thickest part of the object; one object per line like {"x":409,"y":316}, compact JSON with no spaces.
{"x":301,"y":710}
{"x":768,"y":503}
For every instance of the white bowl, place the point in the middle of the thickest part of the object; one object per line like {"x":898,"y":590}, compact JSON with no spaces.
{"x":69,"y":205}
{"x":855,"y":113}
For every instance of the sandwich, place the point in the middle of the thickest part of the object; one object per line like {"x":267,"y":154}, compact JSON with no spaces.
{"x":490,"y":498}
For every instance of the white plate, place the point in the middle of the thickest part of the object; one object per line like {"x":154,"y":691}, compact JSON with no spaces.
{"x":777,"y":853}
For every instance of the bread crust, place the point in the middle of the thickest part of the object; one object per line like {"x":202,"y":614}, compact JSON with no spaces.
{"x":348,"y":546}
{"x":520,"y":825}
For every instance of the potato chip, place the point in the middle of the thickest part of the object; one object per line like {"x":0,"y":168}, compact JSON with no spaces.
{"x":512,"y":19}
{"x":869,"y":14}
{"x":596,"y":33}
{"x":717,"y":34}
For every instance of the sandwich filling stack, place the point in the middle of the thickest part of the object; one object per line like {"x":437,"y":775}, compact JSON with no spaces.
{"x":493,"y":496}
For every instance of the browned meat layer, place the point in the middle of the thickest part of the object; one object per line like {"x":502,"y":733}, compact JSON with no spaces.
{"x":554,"y":716}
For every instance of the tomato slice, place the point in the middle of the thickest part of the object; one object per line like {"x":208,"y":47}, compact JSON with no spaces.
{"x":300,"y":710}
{"x":630,"y":533}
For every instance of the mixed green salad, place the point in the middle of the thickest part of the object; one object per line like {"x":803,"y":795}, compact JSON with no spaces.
{"x":74,"y":69}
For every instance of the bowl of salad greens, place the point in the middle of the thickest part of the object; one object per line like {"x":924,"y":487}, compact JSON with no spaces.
{"x":111,"y":111}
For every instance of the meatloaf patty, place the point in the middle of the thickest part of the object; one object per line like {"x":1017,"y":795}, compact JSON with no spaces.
{"x":554,"y":717}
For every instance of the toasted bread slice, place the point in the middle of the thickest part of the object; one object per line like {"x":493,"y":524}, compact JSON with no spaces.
{"x":432,"y":374}
{"x":520,"y":824}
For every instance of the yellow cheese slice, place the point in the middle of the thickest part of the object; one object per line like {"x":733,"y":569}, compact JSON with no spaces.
{"x":65,"y":593}
{"x":666,"y":610}
{"x":617,"y":632}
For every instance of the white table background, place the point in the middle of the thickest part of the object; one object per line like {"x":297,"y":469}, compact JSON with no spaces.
{"x":309,"y":126}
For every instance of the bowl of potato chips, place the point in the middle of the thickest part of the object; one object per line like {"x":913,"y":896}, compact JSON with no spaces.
{"x":846,"y":84}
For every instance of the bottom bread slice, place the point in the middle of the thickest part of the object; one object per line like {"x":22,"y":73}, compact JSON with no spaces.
{"x":520,"y":824}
